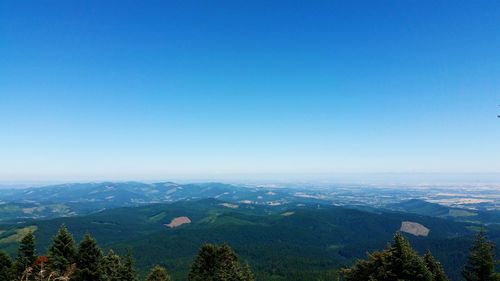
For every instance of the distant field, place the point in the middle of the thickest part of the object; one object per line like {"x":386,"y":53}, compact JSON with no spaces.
{"x":18,"y":234}
{"x":460,"y":213}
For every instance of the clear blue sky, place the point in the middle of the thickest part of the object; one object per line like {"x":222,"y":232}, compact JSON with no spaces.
{"x":165,"y":89}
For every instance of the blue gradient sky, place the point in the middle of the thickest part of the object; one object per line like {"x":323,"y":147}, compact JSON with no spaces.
{"x":162,"y":89}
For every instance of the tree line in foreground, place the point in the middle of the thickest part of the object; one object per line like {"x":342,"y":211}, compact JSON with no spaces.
{"x":86,"y":262}
{"x":399,"y":262}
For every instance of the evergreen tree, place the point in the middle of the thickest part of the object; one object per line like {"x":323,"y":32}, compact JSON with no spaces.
{"x":481,"y":261}
{"x":405,"y":262}
{"x":26,"y":254}
{"x":89,"y":259}
{"x":434,"y":267}
{"x":217,"y":263}
{"x":367,"y":269}
{"x":397,"y":262}
{"x":5,"y":267}
{"x":62,"y":252}
{"x":158,"y":273}
{"x":111,"y":267}
{"x":128,"y":272}
{"x":246,"y":273}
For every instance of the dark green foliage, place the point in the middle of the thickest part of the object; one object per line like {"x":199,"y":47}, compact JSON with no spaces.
{"x":246,"y":273}
{"x":366,"y":269}
{"x":434,"y":267}
{"x":5,"y":267}
{"x":89,"y":260}
{"x":111,"y":267}
{"x":305,"y":245}
{"x":158,"y":273}
{"x":481,"y":262}
{"x":128,"y":272}
{"x":397,"y":262}
{"x":62,"y":252}
{"x":405,"y":263}
{"x":26,"y":254}
{"x":218,"y":263}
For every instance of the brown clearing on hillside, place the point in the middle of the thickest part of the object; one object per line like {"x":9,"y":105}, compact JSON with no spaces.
{"x":414,"y":228}
{"x":176,"y":222}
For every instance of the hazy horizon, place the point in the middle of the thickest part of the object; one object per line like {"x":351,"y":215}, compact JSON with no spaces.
{"x":367,"y":179}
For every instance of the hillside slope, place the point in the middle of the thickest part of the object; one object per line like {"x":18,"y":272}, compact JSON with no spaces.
{"x":286,"y":242}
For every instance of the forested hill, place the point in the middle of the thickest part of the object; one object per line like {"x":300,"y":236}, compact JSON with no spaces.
{"x":287,"y":242}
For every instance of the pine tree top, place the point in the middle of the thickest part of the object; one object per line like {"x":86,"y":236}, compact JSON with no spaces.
{"x":158,"y":273}
{"x":481,"y":261}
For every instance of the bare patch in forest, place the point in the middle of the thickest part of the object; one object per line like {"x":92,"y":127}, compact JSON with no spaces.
{"x":414,"y":228}
{"x":178,"y":222}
